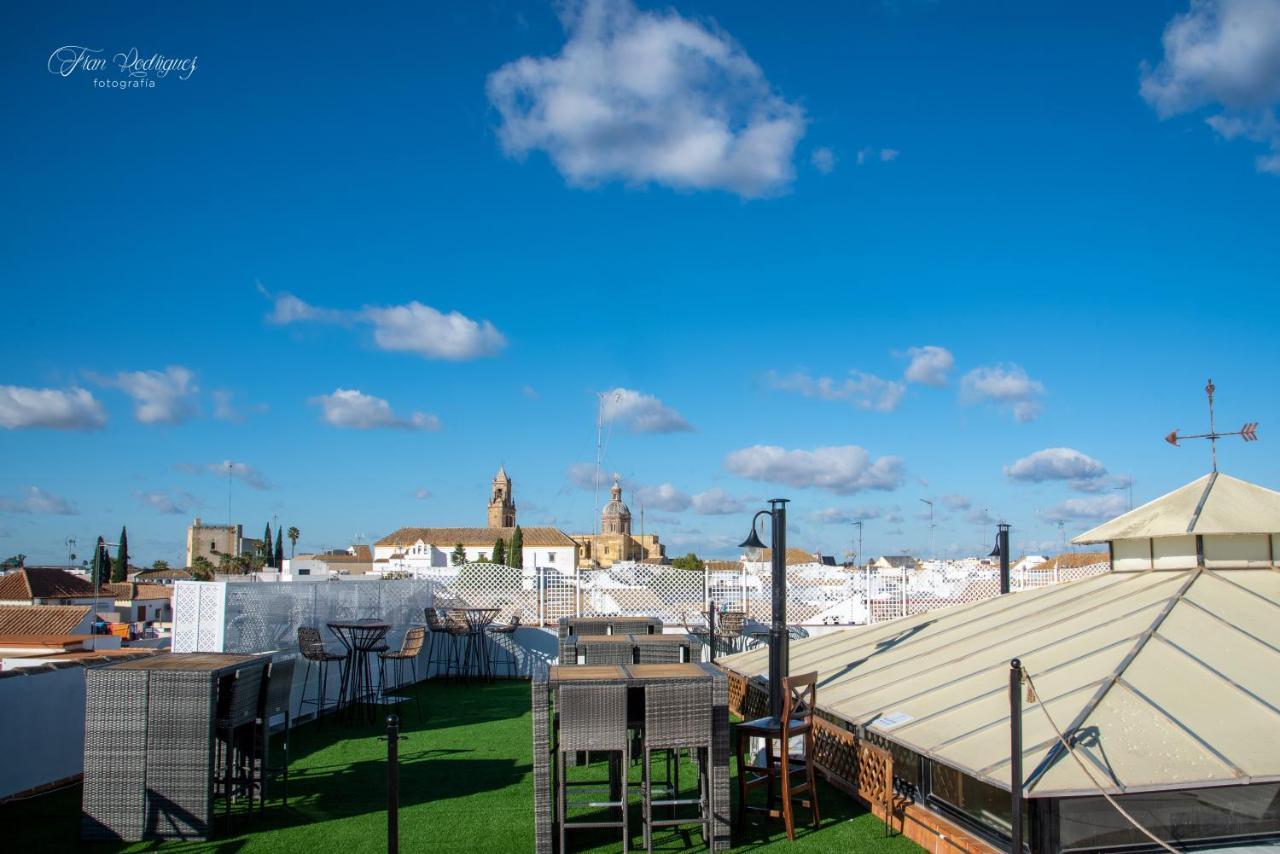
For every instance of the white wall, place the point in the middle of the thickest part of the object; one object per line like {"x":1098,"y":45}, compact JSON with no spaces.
{"x":431,"y":556}
{"x":44,"y":727}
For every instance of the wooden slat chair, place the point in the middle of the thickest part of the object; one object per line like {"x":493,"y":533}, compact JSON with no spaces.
{"x":778,"y":773}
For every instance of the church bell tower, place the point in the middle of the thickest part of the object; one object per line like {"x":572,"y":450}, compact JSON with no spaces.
{"x":502,"y":507}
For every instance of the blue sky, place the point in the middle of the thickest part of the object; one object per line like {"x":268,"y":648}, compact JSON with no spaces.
{"x":983,"y":254}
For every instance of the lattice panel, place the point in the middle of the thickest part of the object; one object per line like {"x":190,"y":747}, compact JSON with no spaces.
{"x":875,"y":776}
{"x":835,"y":750}
{"x":648,"y":590}
{"x":490,"y":585}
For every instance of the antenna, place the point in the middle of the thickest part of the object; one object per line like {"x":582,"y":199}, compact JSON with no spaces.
{"x":229,"y":467}
{"x":930,"y":503}
{"x":1249,"y":432}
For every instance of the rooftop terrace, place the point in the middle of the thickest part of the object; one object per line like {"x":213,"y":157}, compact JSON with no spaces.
{"x":466,"y":780}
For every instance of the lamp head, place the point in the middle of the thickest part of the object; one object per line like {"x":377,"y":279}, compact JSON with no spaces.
{"x":752,"y":541}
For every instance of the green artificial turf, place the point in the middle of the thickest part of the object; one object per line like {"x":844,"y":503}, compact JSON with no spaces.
{"x":466,"y":784}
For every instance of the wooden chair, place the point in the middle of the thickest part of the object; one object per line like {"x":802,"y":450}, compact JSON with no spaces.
{"x":778,"y":773}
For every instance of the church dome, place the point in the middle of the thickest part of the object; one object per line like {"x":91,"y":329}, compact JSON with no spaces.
{"x":616,"y":518}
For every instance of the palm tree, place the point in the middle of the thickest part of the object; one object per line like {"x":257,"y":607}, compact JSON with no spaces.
{"x":294,"y":533}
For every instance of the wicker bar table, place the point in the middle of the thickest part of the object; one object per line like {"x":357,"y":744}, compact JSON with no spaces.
{"x":149,"y":745}
{"x":634,"y":676}
{"x":630,"y":649}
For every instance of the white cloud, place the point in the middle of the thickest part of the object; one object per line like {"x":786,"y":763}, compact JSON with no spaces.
{"x":36,"y":500}
{"x":421,"y":329}
{"x":956,"y":502}
{"x":159,"y":397}
{"x":583,"y":476}
{"x":530,"y":392}
{"x":242,"y":472}
{"x":164,"y":502}
{"x":423,"y":494}
{"x":846,"y":515}
{"x":353,"y":409}
{"x":717,"y":502}
{"x":642,"y":413}
{"x":1056,"y":464}
{"x":823,"y":159}
{"x":1093,"y":509}
{"x":888,"y":155}
{"x":1224,"y":54}
{"x":56,"y":409}
{"x":1006,"y":386}
{"x":844,"y":470}
{"x":648,"y":97}
{"x":663,"y":496}
{"x":869,"y":153}
{"x":866,"y":391}
{"x":226,"y":409}
{"x":929,"y":365}
{"x":980,"y":516}
{"x":412,"y":327}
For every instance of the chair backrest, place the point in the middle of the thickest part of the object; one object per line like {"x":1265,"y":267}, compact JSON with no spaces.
{"x":799,"y":695}
{"x":592,"y":717}
{"x":243,"y":696}
{"x":730,"y":623}
{"x":456,"y":620}
{"x":677,"y":714}
{"x":413,"y":640}
{"x":279,"y":686}
{"x":310,"y":644}
{"x":606,"y":653}
{"x":514,"y":623}
{"x":434,"y":623}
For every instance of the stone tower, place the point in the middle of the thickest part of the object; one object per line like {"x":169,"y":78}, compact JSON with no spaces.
{"x":616,"y":518}
{"x":502,"y":507}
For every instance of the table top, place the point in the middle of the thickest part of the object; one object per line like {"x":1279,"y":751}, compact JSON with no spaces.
{"x":359,"y":624}
{"x":559,"y":674}
{"x":644,"y":620}
{"x":681,"y":639}
{"x":632,"y":640}
{"x":190,"y":661}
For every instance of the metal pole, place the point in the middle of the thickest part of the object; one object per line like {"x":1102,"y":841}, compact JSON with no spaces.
{"x":1015,"y":755}
{"x":1002,"y":542}
{"x":711,"y":628}
{"x":393,"y":784}
{"x":779,"y":648}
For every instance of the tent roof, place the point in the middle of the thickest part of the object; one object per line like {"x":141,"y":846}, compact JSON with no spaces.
{"x":1167,"y":677}
{"x":1214,"y":504}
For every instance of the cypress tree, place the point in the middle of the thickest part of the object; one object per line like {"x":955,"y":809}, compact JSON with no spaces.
{"x":98,"y":570}
{"x":120,"y":569}
{"x":499,"y":551}
{"x":515,"y":555}
{"x":265,"y":551}
{"x":279,"y":562}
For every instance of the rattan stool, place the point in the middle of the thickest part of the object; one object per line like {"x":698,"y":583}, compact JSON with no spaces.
{"x":592,"y":718}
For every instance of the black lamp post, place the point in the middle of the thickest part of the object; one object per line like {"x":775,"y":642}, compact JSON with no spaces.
{"x":779,"y":652}
{"x":1002,"y":551}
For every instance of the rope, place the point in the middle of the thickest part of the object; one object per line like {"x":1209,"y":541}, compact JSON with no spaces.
{"x":1085,"y":768}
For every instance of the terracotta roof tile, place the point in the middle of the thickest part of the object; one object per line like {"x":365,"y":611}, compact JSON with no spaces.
{"x":41,"y":619}
{"x":43,"y":583}
{"x":445,"y":537}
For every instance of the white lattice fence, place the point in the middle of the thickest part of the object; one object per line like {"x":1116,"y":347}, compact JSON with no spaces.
{"x":488,"y":585}
{"x":673,"y":595}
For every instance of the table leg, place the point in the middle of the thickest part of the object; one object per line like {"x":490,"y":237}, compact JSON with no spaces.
{"x":543,"y":819}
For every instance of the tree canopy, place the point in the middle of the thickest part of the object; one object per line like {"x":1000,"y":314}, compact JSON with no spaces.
{"x":689,"y":561}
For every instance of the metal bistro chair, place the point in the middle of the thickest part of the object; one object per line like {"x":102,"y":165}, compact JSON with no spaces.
{"x":799,"y":695}
{"x":311,"y":647}
{"x":273,"y":703}
{"x":237,"y":709}
{"x":676,"y":717}
{"x":592,"y":718}
{"x":507,"y":629}
{"x":439,"y":643}
{"x":410,"y":646}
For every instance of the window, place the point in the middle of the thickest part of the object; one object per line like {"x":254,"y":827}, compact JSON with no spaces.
{"x":551,"y":557}
{"x":983,"y":803}
{"x":1089,"y":824}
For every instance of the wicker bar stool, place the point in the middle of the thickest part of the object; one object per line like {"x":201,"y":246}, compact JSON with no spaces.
{"x":507,"y":630}
{"x":410,"y":646}
{"x":659,"y":653}
{"x":593,"y":718}
{"x":455,"y":620}
{"x":311,"y":647}
{"x":274,"y":703}
{"x":606,"y":652}
{"x":676,"y":717}
{"x":237,"y":710}
{"x":799,"y":694}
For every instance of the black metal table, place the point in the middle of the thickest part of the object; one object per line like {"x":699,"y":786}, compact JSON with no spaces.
{"x":359,"y":637}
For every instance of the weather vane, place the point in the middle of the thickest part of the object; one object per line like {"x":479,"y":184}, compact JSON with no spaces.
{"x":1249,"y":432}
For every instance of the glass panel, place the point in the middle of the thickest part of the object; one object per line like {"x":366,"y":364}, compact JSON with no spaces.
{"x":985,"y":804}
{"x":1087,"y":824}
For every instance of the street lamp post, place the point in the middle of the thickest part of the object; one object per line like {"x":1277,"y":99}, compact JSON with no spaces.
{"x":779,"y":652}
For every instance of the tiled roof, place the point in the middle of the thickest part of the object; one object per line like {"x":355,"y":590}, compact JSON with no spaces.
{"x":448,"y":537}
{"x":43,"y":583}
{"x":131,"y":591}
{"x":170,"y":574}
{"x":794,"y":556}
{"x":41,"y":619}
{"x":1071,"y":560}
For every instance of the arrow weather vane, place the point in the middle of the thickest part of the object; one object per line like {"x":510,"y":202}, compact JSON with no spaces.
{"x":1249,"y":432}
